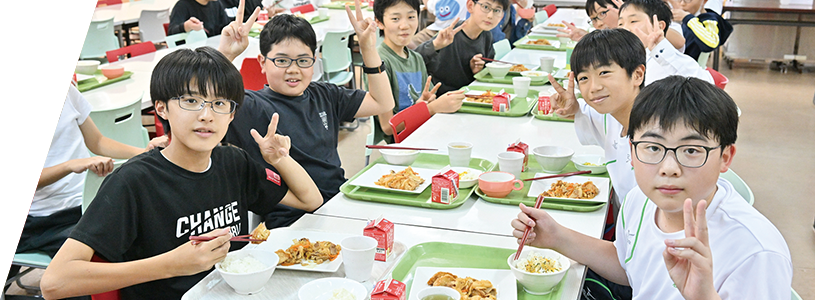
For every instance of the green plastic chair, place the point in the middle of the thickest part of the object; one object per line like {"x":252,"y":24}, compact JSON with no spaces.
{"x":172,"y":40}
{"x":31,"y":261}
{"x":795,"y":296}
{"x":122,"y":124}
{"x":337,"y":58}
{"x":92,"y":184}
{"x":151,"y":25}
{"x":739,"y":184}
{"x":541,"y":17}
{"x":56,"y":39}
{"x":60,"y":8}
{"x":703,"y":59}
{"x":99,"y":39}
{"x":501,"y":47}
{"x":187,"y":37}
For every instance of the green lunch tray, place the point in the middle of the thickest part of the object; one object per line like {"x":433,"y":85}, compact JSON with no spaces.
{"x":519,"y":106}
{"x":438,"y":254}
{"x":318,"y":19}
{"x":341,"y":5}
{"x":93,"y":82}
{"x":484,"y":76}
{"x":522,"y":43}
{"x":516,"y":197}
{"x":549,"y":117}
{"x":425,"y":160}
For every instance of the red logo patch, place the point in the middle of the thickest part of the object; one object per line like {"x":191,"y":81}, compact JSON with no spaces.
{"x":272,"y":176}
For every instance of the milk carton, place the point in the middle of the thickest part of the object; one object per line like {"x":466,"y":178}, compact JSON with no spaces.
{"x":500,"y":102}
{"x":522,"y":148}
{"x":445,"y":187}
{"x":389,"y":289}
{"x":381,"y":230}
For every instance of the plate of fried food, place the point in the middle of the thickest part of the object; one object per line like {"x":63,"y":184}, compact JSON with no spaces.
{"x":302,"y":250}
{"x":470,"y":283}
{"x":518,"y":68}
{"x":543,"y":42}
{"x":482,"y":98}
{"x":396,"y":178}
{"x":577,"y":188}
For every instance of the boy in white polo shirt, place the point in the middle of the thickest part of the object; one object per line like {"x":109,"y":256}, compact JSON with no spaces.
{"x":681,"y":217}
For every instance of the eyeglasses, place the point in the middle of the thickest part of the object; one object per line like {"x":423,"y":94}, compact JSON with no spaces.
{"x":193,"y":103}
{"x":285,"y":62}
{"x":600,"y":16}
{"x":691,"y":156}
{"x":47,"y":54}
{"x":487,"y":9}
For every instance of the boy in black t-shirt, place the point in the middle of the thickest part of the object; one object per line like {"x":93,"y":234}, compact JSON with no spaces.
{"x":207,"y":15}
{"x":146,"y":211}
{"x":312,"y":111}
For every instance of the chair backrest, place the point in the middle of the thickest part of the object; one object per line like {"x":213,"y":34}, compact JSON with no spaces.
{"x":740,"y":186}
{"x":795,"y":296}
{"x":112,"y":295}
{"x":134,"y":50}
{"x":550,"y":9}
{"x":336,"y":54}
{"x":196,"y":35}
{"x":166,"y":29}
{"x":122,"y":124}
{"x":703,"y":59}
{"x":151,"y":25}
{"x":303,"y":9}
{"x":59,"y":8}
{"x":413,"y":117}
{"x":99,"y":39}
{"x":253,"y":79}
{"x":97,"y":3}
{"x":501,"y":48}
{"x":318,"y":69}
{"x":172,"y":40}
{"x":92,"y":184}
{"x":56,"y":38}
{"x":718,"y":79}
{"x":541,"y":17}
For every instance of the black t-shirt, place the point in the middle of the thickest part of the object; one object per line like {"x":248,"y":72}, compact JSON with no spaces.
{"x":213,"y":15}
{"x":312,"y":121}
{"x":248,"y":8}
{"x":150,"y":206}
{"x":451,"y":64}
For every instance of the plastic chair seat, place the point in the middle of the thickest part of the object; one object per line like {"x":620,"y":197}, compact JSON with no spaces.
{"x":31,"y":260}
{"x":413,"y":117}
{"x":134,"y":50}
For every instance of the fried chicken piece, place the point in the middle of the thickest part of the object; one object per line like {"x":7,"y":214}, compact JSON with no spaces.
{"x":260,"y":233}
{"x":448,"y":280}
{"x":436,"y":276}
{"x":483,"y":289}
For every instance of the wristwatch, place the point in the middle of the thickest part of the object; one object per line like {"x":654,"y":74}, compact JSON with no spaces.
{"x":376,"y":70}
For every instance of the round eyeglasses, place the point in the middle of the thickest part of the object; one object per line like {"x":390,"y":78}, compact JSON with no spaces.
{"x":487,"y":9}
{"x":600,"y":16}
{"x":194,"y":103}
{"x":285,"y":62}
{"x":691,"y":156}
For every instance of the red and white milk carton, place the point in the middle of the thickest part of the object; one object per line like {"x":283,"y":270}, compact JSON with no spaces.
{"x":544,"y":105}
{"x":445,"y":187}
{"x":522,"y":148}
{"x":500,"y":102}
{"x":389,"y":289}
{"x":381,"y":230}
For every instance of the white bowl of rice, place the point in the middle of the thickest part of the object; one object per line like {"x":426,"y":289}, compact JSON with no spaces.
{"x":539,"y":270}
{"x":399,"y":156}
{"x":332,"y":288}
{"x":248,"y":270}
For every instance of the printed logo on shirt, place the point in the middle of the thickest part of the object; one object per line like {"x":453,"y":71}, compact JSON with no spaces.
{"x":209,"y":220}
{"x":324,"y":117}
{"x":272,"y":176}
{"x":447,"y":10}
{"x":410,"y":86}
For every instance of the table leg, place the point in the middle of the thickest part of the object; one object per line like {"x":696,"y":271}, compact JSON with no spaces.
{"x":716,"y":58}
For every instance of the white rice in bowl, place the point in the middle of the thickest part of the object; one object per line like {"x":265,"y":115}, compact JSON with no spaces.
{"x":539,"y":264}
{"x":246,"y":264}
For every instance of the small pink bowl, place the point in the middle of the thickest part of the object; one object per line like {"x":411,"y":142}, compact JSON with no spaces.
{"x":112,"y":72}
{"x":498,"y":184}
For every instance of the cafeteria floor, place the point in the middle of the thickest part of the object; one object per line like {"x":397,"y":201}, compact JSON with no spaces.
{"x":775,"y":150}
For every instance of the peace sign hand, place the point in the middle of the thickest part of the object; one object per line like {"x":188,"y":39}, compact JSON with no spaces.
{"x":571,"y":31}
{"x":446,"y":35}
{"x":428,"y":95}
{"x":564,"y":101}
{"x":689,"y":260}
{"x":235,"y":36}
{"x":364,"y":27}
{"x":651,"y":36}
{"x":273,"y":146}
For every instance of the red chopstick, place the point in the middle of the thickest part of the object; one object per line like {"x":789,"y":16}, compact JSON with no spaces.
{"x":398,"y":147}
{"x":558,"y":175}
{"x":500,"y":61}
{"x":528,"y":229}
{"x":240,"y":238}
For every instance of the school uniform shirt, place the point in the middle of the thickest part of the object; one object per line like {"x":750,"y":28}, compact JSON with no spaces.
{"x":150,"y":206}
{"x":446,"y":11}
{"x":44,"y":135}
{"x":664,"y":60}
{"x":705,"y":32}
{"x":407,"y":76}
{"x":603,"y":130}
{"x":751,"y":260}
{"x":213,"y":15}
{"x":451,"y":65}
{"x":312,"y":121}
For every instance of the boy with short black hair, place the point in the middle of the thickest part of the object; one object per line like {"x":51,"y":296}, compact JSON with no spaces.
{"x":454,"y":62}
{"x":207,"y":15}
{"x":45,"y":135}
{"x":649,"y":20}
{"x":681,"y":215}
{"x":704,"y":28}
{"x":313,"y":110}
{"x":397,"y":21}
{"x":147,"y":210}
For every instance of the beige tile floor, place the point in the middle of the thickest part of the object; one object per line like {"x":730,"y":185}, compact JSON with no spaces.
{"x":774,"y":156}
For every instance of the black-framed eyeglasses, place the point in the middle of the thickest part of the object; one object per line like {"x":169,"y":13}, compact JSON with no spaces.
{"x":690,"y":156}
{"x":600,"y":16}
{"x":487,"y":9}
{"x":194,"y":103}
{"x":285,"y":62}
{"x":45,"y":53}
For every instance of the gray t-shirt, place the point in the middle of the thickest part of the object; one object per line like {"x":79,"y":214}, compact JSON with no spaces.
{"x":451,"y":64}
